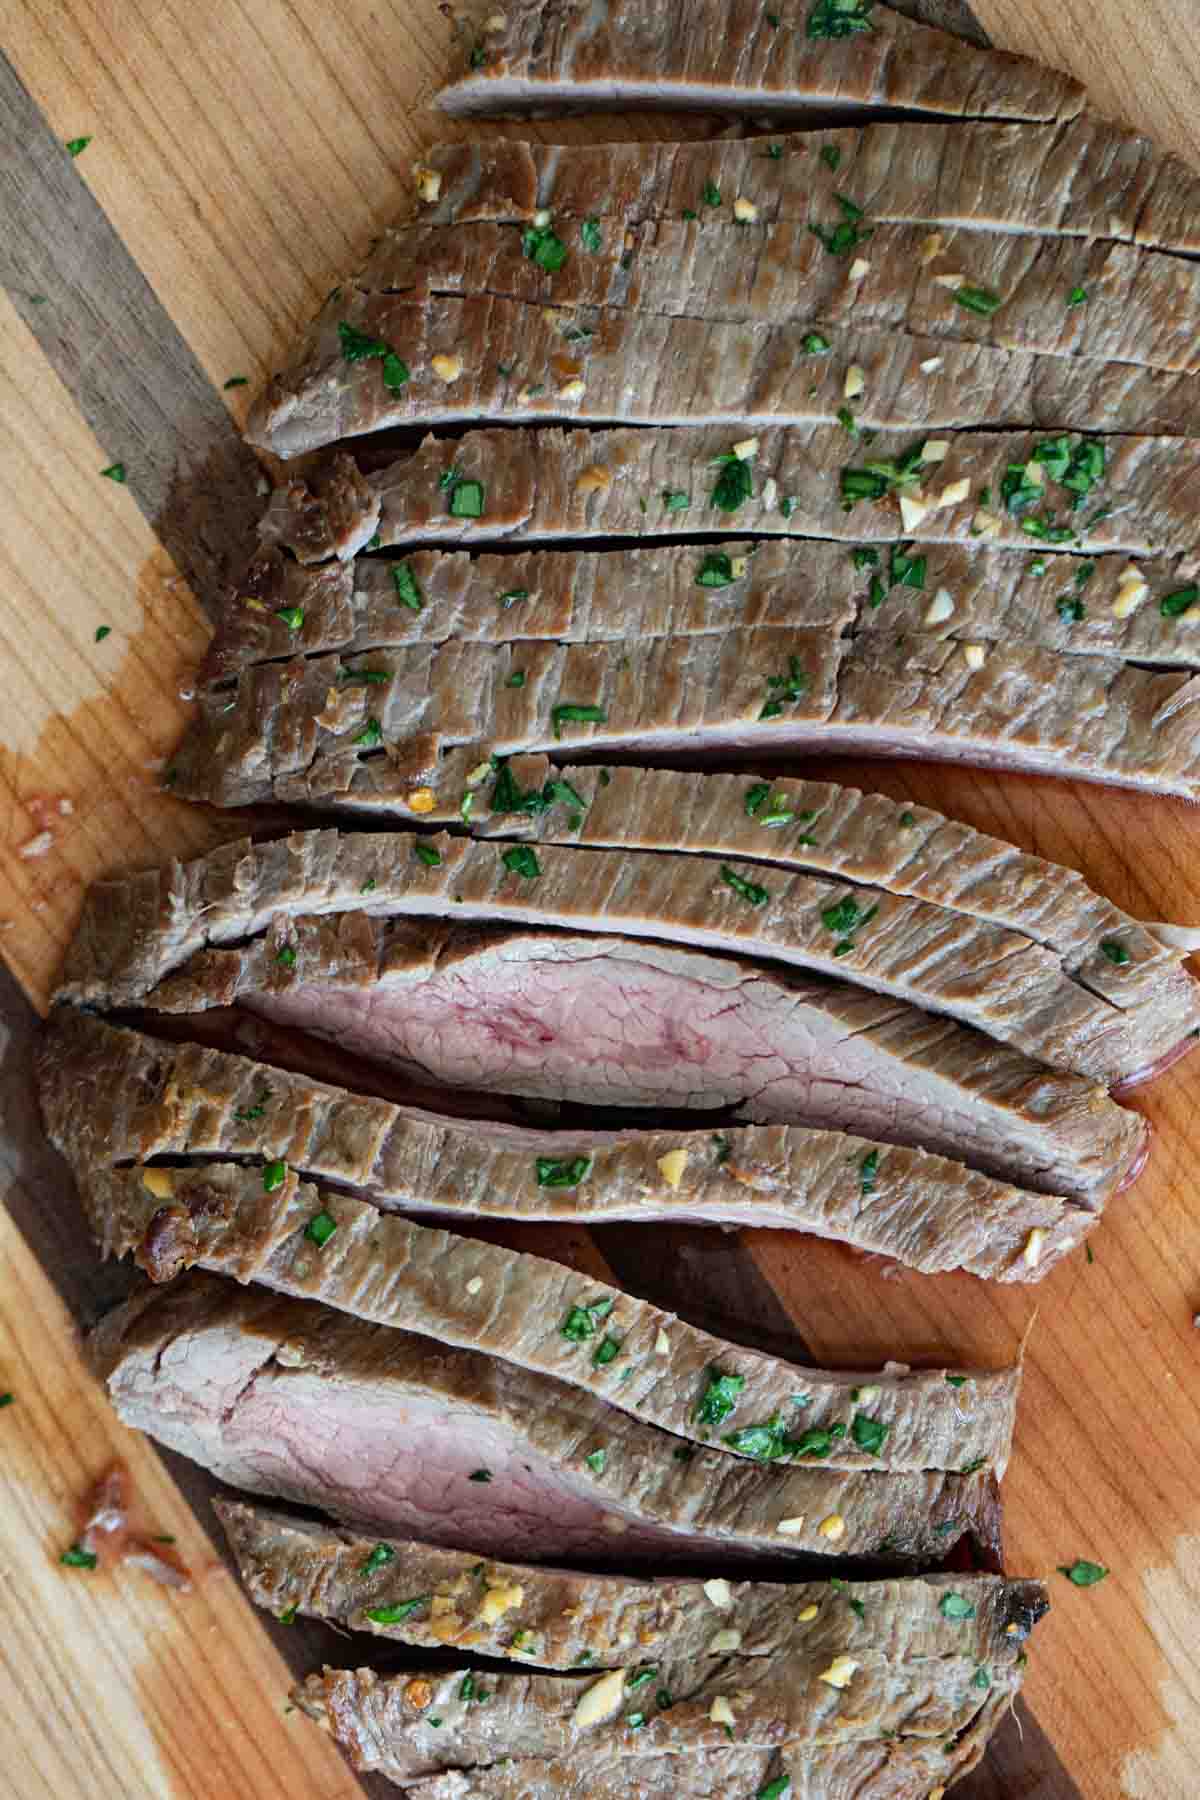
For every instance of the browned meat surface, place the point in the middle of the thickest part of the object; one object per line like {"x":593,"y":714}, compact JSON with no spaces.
{"x":261,"y":1223}
{"x":287,"y":1399}
{"x":561,"y":1619}
{"x":556,"y":55}
{"x":1084,"y":177}
{"x":114,"y":1095}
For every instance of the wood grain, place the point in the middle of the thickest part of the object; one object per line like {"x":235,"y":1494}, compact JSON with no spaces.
{"x":243,"y":155}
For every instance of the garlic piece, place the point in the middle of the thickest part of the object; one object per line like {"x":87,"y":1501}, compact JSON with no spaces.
{"x":807,"y":1614}
{"x":987,"y":524}
{"x":541,"y":218}
{"x":859,"y":267}
{"x":662,"y":1344}
{"x":931,"y":364}
{"x":935,"y":450}
{"x":1035,"y":473}
{"x":855,"y":382}
{"x":770,"y":492}
{"x":496,"y":21}
{"x":672,"y":1165}
{"x":602,"y":1699}
{"x":865,"y":1396}
{"x":719,"y":1593}
{"x":1132,"y":589}
{"x":746,"y":449}
{"x":429,"y":183}
{"x":913,"y":508}
{"x":160,"y":1182}
{"x":954,"y":493}
{"x":840,"y":1672}
{"x":422,"y":800}
{"x":833,"y":1528}
{"x":940,"y":608}
{"x":738,"y":566}
{"x":790,"y":1527}
{"x":499,"y":1600}
{"x":573,"y":390}
{"x":720,"y":1712}
{"x":446,"y":368}
{"x":744,"y":211}
{"x":724,"y":1642}
{"x":475,"y":1284}
{"x":948,"y":281}
{"x":931,"y":249}
{"x":479,"y":774}
{"x":974,"y":655}
{"x":1031,"y":1255}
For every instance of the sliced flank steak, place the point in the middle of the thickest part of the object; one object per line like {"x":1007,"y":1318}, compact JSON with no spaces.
{"x":115,"y":1095}
{"x":1085,"y":177}
{"x":287,"y":1399}
{"x":560,"y":1619}
{"x":698,"y":324}
{"x":1051,"y":600}
{"x":1095,"y":493}
{"x":261,"y":1223}
{"x":1000,"y":980}
{"x":843,"y":55}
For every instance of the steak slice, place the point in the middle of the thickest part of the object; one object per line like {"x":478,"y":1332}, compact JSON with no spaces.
{"x":385,"y":1723}
{"x":287,"y":1399}
{"x":601,"y":1021}
{"x":262,"y":1223}
{"x":805,"y":481}
{"x":560,"y":1619}
{"x":112,"y":1095}
{"x":281,"y":607}
{"x":551,"y":55}
{"x":999,"y":980}
{"x":370,"y":732}
{"x":1083,"y":177}
{"x":495,"y":338}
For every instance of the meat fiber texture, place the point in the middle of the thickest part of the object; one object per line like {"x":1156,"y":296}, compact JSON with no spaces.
{"x":279,"y":608}
{"x":603,"y":1021}
{"x":568,"y":55}
{"x":559,"y":1618}
{"x":1000,"y":981}
{"x":111,"y":1095}
{"x":1086,"y":177}
{"x":284,"y":1398}
{"x":263,"y":1224}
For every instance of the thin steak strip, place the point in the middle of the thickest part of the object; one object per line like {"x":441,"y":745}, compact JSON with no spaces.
{"x":113,"y":1095}
{"x":287,"y":1399}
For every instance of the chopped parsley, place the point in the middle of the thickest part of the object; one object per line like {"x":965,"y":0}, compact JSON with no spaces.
{"x":363,"y":677}
{"x":906,"y":821}
{"x":719,"y":1398}
{"x":775,"y":152}
{"x":875,"y":479}
{"x":380,"y":1555}
{"x":371,"y":735}
{"x":595,"y":1460}
{"x":564,"y":1172}
{"x":583,"y":1322}
{"x":869,"y":1433}
{"x":78,"y":1558}
{"x":320,"y":1229}
{"x":606,"y":1351}
{"x":818,"y":1441}
{"x":815,"y":343}
{"x":771,"y":1442}
{"x":955,"y":1606}
{"x":76,"y":146}
{"x":768,"y":810}
{"x":522,"y":860}
{"x":405,"y":584}
{"x":466,"y":500}
{"x":788,"y":505}
{"x":273,"y":1176}
{"x":286,"y":957}
{"x":114,"y":472}
{"x":734,"y":484}
{"x":973,"y":1467}
{"x":722,"y":1147}
{"x":288,"y":1616}
{"x":510,"y":596}
{"x":982,"y":1678}
{"x":868,"y":1168}
{"x":1071,"y":609}
{"x":831,"y":156}
{"x":103,"y":631}
{"x":852,"y":1601}
{"x":236,"y":381}
{"x":245,"y":1114}
{"x":846,"y":915}
{"x":712,"y":194}
{"x":1116,"y":953}
{"x":568,"y":712}
{"x":749,"y":891}
{"x":1083,"y":1574}
{"x":846,"y":236}
{"x":1173,"y":606}
{"x":480,"y":1475}
{"x":370,"y":884}
{"x":590,"y":234}
{"x":781,"y":1787}
{"x":865,"y":558}
{"x":516,"y":679}
{"x":543,"y":246}
{"x":292,"y":616}
{"x":978,"y":300}
{"x":784,"y":690}
{"x":1077,"y":296}
{"x":396,"y":1615}
{"x":956,"y":1381}
{"x":426,"y":854}
{"x":845,"y":419}
{"x":675,"y":500}
{"x":359,"y":346}
{"x":905,"y":570}
{"x":839,"y":18}
{"x":716,"y":571}
{"x":469,"y":1689}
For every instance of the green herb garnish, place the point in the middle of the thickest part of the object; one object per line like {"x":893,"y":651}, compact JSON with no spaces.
{"x":815,"y":343}
{"x":379,"y":1557}
{"x":568,"y":712}
{"x":426,"y":854}
{"x":522,"y":860}
{"x":869,"y":1433}
{"x":405,"y":584}
{"x":565,"y":1172}
{"x":103,"y":631}
{"x":371,"y":735}
{"x":978,"y":300}
{"x":236,"y":381}
{"x":1070,"y":608}
{"x":734,"y":484}
{"x":839,"y":18}
{"x":784,"y":690}
{"x":1083,"y":1574}
{"x":1077,"y":296}
{"x":543,"y":246}
{"x":76,"y":146}
{"x":480,"y":1475}
{"x":78,"y":1558}
{"x":955,"y":1606}
{"x":749,"y":891}
{"x":596,"y":1460}
{"x":719,"y":1398}
{"x":467,"y":500}
{"x":286,"y":957}
{"x":868,"y":1168}
{"x":1173,"y":606}
{"x":606,"y":1351}
{"x":396,"y":1615}
{"x":712,"y":194}
{"x":716,"y":571}
{"x":840,"y":239}
{"x":273,"y":1176}
{"x":831,"y":156}
{"x":114,"y":472}
{"x":590,"y":234}
{"x":320,"y":1229}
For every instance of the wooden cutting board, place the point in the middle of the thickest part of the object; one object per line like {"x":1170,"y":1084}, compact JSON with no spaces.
{"x":242,"y":155}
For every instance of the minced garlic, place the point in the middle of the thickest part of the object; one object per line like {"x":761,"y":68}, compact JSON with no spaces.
{"x":833,"y":1528}
{"x":602,"y":1699}
{"x":422,"y":800}
{"x":672,"y":1165}
{"x":746,"y":449}
{"x":974,"y":655}
{"x":720,"y":1712}
{"x":446,"y":368}
{"x":429,"y":183}
{"x":1031,"y":1255}
{"x":573,"y":390}
{"x":1132,"y":589}
{"x":807,"y":1614}
{"x":744,"y":211}
{"x":724,"y":1642}
{"x":940,"y":608}
{"x":160,"y":1182}
{"x":719,"y":1593}
{"x":840,"y":1672}
{"x":855,"y":382}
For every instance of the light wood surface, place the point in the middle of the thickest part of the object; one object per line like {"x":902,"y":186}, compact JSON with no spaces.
{"x":244,"y":154}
